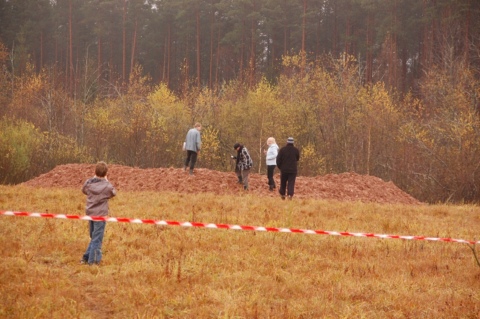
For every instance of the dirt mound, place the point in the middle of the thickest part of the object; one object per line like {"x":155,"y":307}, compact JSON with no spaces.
{"x":342,"y":187}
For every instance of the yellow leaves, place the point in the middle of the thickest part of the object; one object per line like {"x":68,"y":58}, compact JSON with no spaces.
{"x":376,"y":100}
{"x":211,"y":153}
{"x":203,"y":105}
{"x":64,"y":149}
{"x":102,"y":117}
{"x":103,"y":123}
{"x":138,"y":87}
{"x":162,"y":95}
{"x":263,"y":98}
{"x":292,"y":60}
{"x":311,"y":162}
{"x":20,"y":141}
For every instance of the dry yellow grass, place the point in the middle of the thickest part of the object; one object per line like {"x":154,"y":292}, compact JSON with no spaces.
{"x":151,"y":271}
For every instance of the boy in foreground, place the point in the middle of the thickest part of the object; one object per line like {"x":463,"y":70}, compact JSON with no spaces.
{"x":98,"y":190}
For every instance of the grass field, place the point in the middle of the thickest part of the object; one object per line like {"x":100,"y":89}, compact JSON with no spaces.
{"x":151,"y":271}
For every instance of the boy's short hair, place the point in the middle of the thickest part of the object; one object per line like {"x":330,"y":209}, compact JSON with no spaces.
{"x":101,"y":169}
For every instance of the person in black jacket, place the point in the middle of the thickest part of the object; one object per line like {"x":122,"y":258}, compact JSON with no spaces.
{"x":287,"y":160}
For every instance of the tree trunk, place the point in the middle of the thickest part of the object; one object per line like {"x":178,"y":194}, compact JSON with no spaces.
{"x":218,"y":61}
{"x":210,"y":71}
{"x":304,"y":24}
{"x":124,"y":41}
{"x":70,"y":35}
{"x":394,"y":52}
{"x":99,"y":57}
{"x":164,"y":67}
{"x":134,"y":44}
{"x":466,"y":41}
{"x":41,"y":50}
{"x":242,"y":49}
{"x":197,"y":15}
{"x":347,"y":36}
{"x":166,"y":56}
{"x":369,"y":57}
{"x":335,"y":30}
{"x":251,"y":69}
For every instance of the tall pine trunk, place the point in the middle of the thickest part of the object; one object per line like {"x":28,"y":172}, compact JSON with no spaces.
{"x":70,"y":49}
{"x":124,"y":41}
{"x":197,"y":16}
{"x":134,"y":45}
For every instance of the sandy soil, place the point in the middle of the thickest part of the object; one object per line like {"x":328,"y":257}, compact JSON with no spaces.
{"x":342,"y":187}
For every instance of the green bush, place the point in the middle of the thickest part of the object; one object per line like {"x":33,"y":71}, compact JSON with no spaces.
{"x":19,"y":142}
{"x":26,"y":152}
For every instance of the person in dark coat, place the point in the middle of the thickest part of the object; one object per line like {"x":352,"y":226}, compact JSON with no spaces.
{"x":243,"y":164}
{"x":287,"y":161}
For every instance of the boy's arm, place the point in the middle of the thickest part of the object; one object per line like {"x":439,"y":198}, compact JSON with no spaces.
{"x":113,"y":191}
{"x":84,"y":187}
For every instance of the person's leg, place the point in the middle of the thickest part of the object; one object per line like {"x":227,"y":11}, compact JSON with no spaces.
{"x":239,"y":175}
{"x":187,"y":160}
{"x":95,"y":255}
{"x":193,"y":160}
{"x":291,"y":184}
{"x":283,"y":184}
{"x":271,"y":181}
{"x":245,"y":174}
{"x":89,"y":247}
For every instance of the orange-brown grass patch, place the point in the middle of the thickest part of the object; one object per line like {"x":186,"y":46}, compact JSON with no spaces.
{"x":151,"y":271}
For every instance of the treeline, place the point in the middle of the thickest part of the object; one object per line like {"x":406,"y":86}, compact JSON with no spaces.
{"x":428,"y":146}
{"x":206,"y":43}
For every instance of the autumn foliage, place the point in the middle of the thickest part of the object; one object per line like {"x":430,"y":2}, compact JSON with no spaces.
{"x":427,"y":143}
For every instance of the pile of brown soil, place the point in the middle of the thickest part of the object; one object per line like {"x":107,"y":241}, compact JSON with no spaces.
{"x":341,"y":187}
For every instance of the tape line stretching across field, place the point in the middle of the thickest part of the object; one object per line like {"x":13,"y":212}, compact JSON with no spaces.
{"x":234,"y":227}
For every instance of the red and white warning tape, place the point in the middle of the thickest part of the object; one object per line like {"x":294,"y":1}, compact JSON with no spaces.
{"x":234,"y":227}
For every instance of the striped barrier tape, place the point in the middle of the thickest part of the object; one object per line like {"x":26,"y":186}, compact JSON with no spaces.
{"x":234,"y":227}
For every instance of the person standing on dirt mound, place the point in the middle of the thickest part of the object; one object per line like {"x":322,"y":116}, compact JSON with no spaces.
{"x":98,"y":190}
{"x":271,"y":159}
{"x":193,"y":144}
{"x":287,"y":160}
{"x":243,"y":164}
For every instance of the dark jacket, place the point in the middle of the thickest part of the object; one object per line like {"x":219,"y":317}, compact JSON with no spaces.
{"x":244,"y":161}
{"x":287,"y":159}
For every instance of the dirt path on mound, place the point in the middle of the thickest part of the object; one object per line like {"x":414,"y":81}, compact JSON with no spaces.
{"x":342,"y":187}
